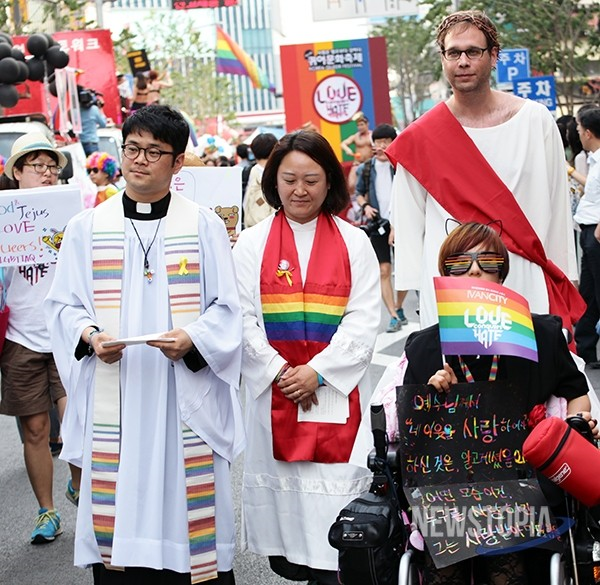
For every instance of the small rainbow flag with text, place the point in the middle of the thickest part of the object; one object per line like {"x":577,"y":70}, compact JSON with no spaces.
{"x":483,"y":318}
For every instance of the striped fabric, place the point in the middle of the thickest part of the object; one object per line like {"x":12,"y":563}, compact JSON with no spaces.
{"x":302,"y":316}
{"x":183,"y":275}
{"x":300,"y":320}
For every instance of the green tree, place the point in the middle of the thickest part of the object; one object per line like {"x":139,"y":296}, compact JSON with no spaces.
{"x":562,"y":36}
{"x":411,"y":58}
{"x":173,"y":43}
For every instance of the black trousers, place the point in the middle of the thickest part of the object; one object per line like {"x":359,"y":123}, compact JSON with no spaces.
{"x":144,"y":576}
{"x":586,"y":337}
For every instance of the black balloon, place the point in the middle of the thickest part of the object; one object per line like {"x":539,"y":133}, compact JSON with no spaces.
{"x":9,"y":70}
{"x":9,"y":96}
{"x":17,"y":54}
{"x":23,"y":72}
{"x":4,"y":50}
{"x":6,"y":38}
{"x":50,"y":40}
{"x":36,"y":69}
{"x":37,"y":44}
{"x":56,"y":57}
{"x":52,"y":88}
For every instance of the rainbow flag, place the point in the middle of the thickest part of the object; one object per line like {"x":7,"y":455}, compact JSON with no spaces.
{"x":483,"y":318}
{"x":232,"y":59}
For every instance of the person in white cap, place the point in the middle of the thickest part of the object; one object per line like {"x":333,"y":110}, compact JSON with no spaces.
{"x":30,"y":382}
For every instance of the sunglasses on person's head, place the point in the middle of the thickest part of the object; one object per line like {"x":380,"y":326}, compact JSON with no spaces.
{"x":94,"y":170}
{"x":460,"y":263}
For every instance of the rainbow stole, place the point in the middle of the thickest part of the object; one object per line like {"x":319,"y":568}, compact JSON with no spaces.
{"x":182,"y":259}
{"x":300,"y":322}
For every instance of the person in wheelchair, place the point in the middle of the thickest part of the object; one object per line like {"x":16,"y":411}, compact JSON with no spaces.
{"x":476,"y":251}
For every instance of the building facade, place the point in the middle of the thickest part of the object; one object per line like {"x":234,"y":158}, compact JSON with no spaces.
{"x":248,"y":24}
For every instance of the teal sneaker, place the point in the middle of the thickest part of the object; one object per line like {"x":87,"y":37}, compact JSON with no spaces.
{"x":393,"y":326}
{"x":47,"y":527}
{"x":72,"y":494}
{"x":401,"y":317}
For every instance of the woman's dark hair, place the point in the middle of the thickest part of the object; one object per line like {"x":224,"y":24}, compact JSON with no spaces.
{"x":162,"y":122}
{"x":469,"y":235}
{"x":6,"y":183}
{"x":316,"y":147}
{"x":573,"y":139}
{"x":141,"y":81}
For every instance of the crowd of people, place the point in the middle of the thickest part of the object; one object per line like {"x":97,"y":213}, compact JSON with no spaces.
{"x":291,"y":310}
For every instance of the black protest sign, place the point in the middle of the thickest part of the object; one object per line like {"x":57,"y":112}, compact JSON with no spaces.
{"x":138,"y":61}
{"x":463,"y":471}
{"x":473,"y":433}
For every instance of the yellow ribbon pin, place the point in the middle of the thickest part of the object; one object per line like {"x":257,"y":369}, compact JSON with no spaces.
{"x":182,"y":266}
{"x":286,"y":273}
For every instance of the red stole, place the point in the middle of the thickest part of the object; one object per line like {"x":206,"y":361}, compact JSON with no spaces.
{"x":442,"y":157}
{"x":300,"y":322}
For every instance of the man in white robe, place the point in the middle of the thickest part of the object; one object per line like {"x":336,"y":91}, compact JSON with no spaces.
{"x":520,"y":141}
{"x":192,"y":378}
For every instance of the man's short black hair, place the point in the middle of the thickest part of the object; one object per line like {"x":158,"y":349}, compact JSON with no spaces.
{"x":383,"y":131}
{"x":242,"y":150}
{"x":263,"y":144}
{"x":590,"y":120}
{"x":163,"y":122}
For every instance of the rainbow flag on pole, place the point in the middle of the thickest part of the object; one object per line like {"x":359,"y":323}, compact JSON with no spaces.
{"x":483,"y":318}
{"x":232,"y":59}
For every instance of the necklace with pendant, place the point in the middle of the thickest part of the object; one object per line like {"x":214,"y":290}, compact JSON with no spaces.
{"x":148,"y":272}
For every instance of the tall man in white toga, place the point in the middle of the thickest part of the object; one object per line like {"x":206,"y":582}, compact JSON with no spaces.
{"x":154,"y":425}
{"x":484,"y":155}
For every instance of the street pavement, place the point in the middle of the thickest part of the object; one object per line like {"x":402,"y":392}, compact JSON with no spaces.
{"x":52,"y":564}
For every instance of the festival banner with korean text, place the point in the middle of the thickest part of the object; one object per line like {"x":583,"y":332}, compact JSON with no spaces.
{"x":219,"y":188}
{"x":33,"y":221}
{"x":483,"y":318}
{"x":91,"y":54}
{"x":326,"y":83}
{"x":464,"y":474}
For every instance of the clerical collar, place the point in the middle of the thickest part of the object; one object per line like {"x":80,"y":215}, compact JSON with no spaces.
{"x":146,"y":211}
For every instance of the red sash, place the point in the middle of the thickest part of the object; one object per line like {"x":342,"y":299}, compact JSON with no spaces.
{"x":442,"y":157}
{"x":300,"y":322}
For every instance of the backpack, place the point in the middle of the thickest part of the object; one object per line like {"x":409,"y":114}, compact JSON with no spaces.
{"x":245,"y":176}
{"x":370,"y":535}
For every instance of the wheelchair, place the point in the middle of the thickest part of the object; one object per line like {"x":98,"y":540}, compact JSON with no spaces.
{"x":577,"y":564}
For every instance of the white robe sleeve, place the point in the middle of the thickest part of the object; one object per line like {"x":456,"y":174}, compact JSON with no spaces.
{"x":260,"y":362}
{"x":217,"y":334}
{"x":69,"y":310}
{"x":408,"y":219}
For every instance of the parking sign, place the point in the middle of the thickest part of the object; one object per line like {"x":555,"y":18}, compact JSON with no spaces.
{"x":538,"y":89}
{"x":512,"y":64}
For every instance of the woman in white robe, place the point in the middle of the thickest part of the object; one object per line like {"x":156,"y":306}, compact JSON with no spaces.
{"x":289,"y":505}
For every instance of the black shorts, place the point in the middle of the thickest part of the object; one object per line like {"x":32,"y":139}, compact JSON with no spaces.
{"x":382,"y":248}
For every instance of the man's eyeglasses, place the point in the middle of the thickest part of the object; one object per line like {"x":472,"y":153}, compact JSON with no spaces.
{"x":131,"y":151}
{"x":94,"y":170}
{"x":472,"y":53}
{"x":41,"y":168}
{"x":459,"y":264}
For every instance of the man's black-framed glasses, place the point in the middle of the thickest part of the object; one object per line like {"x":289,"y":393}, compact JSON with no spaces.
{"x":472,"y":53}
{"x":152,"y":154}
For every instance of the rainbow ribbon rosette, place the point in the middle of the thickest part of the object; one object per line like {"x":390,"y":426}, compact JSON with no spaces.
{"x":483,"y":318}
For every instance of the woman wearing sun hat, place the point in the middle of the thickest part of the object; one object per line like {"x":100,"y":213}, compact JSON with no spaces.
{"x":30,"y":382}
